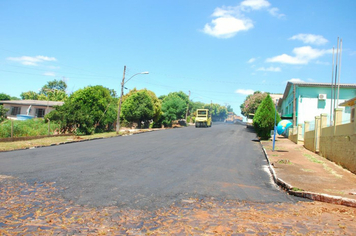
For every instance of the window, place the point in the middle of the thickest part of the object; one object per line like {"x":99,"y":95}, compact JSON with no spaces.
{"x":15,"y":111}
{"x":40,"y":112}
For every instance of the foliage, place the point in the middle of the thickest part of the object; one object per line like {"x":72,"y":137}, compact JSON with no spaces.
{"x":4,"y":96}
{"x":52,"y":91}
{"x":3,"y":113}
{"x":229,"y":108}
{"x":90,"y":110}
{"x":174,"y":107}
{"x":54,"y":85}
{"x":139,"y":107}
{"x":156,"y":102}
{"x":263,"y":120}
{"x":29,"y":95}
{"x":218,"y":113}
{"x":25,"y":128}
{"x":252,"y":102}
{"x":194,"y":106}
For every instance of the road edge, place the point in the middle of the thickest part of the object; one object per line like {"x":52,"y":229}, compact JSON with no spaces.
{"x":321,"y":197}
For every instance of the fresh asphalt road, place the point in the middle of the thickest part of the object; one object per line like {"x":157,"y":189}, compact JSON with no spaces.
{"x":153,"y":169}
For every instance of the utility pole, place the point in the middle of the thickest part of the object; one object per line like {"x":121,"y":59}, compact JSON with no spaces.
{"x":186,"y":114}
{"x":122,"y":93}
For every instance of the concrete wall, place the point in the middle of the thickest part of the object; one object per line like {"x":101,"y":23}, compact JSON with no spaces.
{"x":336,"y":143}
{"x":309,"y":140}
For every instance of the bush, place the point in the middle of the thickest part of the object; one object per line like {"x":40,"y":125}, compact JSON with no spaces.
{"x":263,"y":121}
{"x":3,"y":113}
{"x":26,"y":128}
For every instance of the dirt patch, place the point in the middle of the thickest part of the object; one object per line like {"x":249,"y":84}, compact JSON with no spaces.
{"x":39,"y":209}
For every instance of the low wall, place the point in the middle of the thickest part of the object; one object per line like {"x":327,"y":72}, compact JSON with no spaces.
{"x":341,"y":147}
{"x":309,"y":140}
{"x":293,"y":138}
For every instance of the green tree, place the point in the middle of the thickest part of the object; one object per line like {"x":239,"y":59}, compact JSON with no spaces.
{"x":138,"y":107}
{"x":252,"y":102}
{"x":54,"y":85}
{"x":52,"y":91}
{"x":30,"y":95}
{"x":263,"y":121}
{"x":90,"y":110}
{"x":4,"y":96}
{"x":218,"y":113}
{"x":173,"y":108}
{"x":229,"y":108}
{"x":156,"y":102}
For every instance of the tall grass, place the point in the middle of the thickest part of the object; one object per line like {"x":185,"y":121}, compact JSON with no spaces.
{"x":25,"y":128}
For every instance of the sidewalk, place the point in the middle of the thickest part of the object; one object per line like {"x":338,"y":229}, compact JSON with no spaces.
{"x":306,"y":174}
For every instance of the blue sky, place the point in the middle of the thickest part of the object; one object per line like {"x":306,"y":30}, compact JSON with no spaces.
{"x":219,"y":50}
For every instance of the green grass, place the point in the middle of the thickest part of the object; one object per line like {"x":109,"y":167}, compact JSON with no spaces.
{"x":26,"y":128}
{"x":313,"y":159}
{"x":331,"y":171}
{"x":297,"y":189}
{"x":9,"y":146}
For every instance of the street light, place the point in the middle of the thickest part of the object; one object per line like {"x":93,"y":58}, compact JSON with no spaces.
{"x":122,"y":93}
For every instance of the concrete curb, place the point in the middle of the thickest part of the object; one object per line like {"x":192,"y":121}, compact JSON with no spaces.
{"x":321,"y":197}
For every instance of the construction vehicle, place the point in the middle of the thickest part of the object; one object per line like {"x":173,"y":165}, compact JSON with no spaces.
{"x":203,"y":118}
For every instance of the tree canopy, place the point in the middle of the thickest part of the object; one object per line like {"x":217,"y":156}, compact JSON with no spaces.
{"x":139,"y":106}
{"x":52,"y":91}
{"x":174,"y":107}
{"x":263,"y":120}
{"x":252,"y":102}
{"x":91,"y":109}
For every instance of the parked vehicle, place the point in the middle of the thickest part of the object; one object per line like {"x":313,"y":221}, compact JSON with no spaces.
{"x":203,"y":118}
{"x":249,"y":122}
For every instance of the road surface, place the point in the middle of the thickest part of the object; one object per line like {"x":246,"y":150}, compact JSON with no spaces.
{"x":154,"y":169}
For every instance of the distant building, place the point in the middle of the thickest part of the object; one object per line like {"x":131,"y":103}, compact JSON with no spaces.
{"x":232,"y":118}
{"x":34,"y":108}
{"x":303,"y":101}
{"x":275,"y":97}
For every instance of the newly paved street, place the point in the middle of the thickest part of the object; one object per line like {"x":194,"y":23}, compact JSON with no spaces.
{"x":154,"y":169}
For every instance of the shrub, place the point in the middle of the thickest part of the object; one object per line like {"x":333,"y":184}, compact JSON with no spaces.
{"x":263,"y":121}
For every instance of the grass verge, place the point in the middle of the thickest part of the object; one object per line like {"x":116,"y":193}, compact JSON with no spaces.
{"x":9,"y":146}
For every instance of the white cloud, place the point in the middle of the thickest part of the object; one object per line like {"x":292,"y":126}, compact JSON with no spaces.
{"x":245,"y":91}
{"x":296,"y":80}
{"x":228,"y":21}
{"x":272,"y":69}
{"x":275,"y":12}
{"x":31,"y":61}
{"x":49,"y":74}
{"x":251,"y":60}
{"x":303,"y":55}
{"x":254,"y":5}
{"x":227,"y":26}
{"x":310,"y":39}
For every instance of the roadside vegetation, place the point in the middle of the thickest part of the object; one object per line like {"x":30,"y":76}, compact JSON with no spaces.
{"x":93,"y":110}
{"x":26,"y":128}
{"x":264,"y":119}
{"x":262,"y":106}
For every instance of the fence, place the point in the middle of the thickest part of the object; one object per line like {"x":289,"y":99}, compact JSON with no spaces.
{"x":335,"y":141}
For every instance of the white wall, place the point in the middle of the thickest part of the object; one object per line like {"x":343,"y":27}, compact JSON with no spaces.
{"x":311,"y":107}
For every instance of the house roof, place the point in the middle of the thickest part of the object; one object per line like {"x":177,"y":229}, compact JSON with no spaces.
{"x":32,"y":102}
{"x":306,"y":84}
{"x":348,"y":103}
